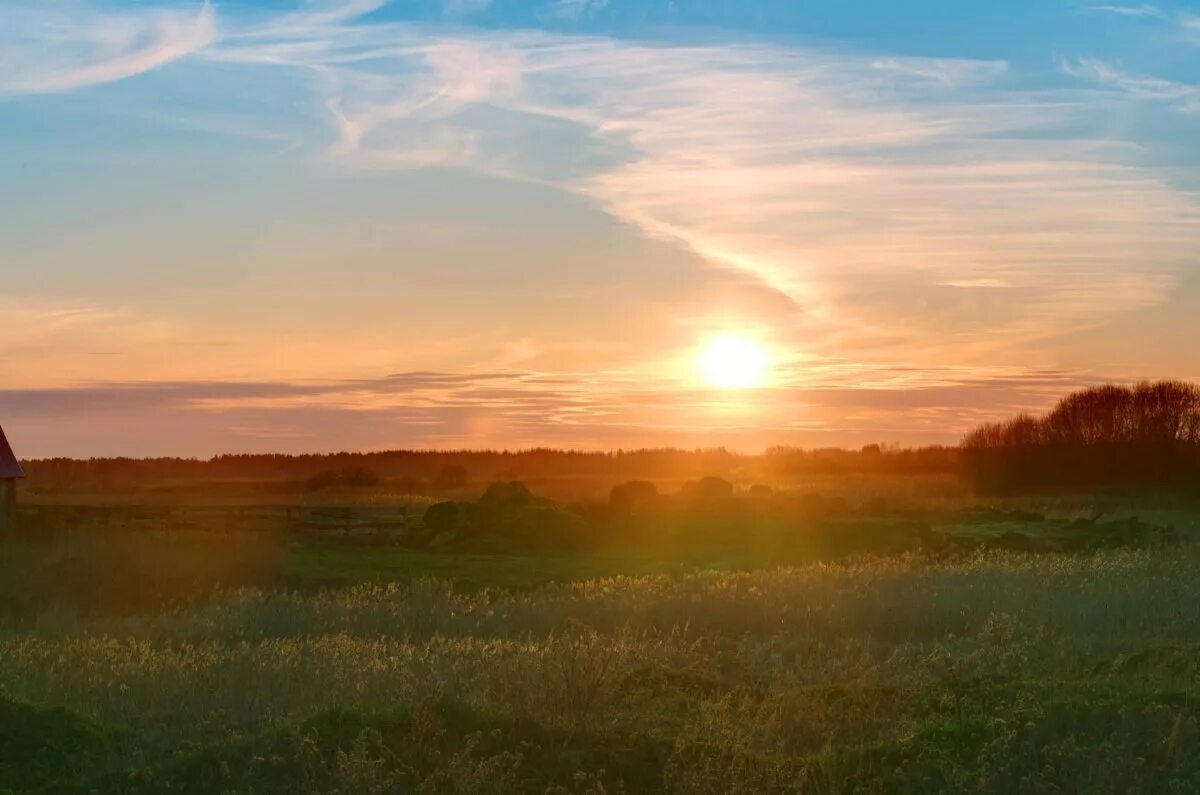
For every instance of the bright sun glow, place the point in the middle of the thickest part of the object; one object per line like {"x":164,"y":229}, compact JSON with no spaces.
{"x":732,"y":361}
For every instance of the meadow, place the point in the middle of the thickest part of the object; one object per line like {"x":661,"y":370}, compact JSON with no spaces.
{"x":886,"y":640}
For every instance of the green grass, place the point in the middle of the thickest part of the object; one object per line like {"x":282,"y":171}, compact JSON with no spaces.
{"x":333,"y":564}
{"x":731,"y":650}
{"x":994,"y":673}
{"x":686,"y":544}
{"x":40,"y":747}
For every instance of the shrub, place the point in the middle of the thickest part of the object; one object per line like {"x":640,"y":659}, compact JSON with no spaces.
{"x":510,"y":494}
{"x":707,"y":488}
{"x":633,"y":496}
{"x":446,"y":515}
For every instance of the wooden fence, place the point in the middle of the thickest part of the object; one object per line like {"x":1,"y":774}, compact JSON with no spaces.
{"x":323,"y":520}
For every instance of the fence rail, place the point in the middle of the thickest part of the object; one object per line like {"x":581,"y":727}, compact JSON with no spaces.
{"x":322,"y":520}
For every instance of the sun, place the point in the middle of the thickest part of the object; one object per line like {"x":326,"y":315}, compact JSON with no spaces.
{"x":731,"y":360}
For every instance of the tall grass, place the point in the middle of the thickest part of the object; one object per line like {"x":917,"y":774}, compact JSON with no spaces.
{"x":829,"y":677}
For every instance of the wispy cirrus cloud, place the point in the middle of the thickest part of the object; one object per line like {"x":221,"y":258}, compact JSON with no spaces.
{"x":319,"y":13}
{"x":48,"y":48}
{"x":573,"y":10}
{"x":1182,"y":97}
{"x":914,"y":221}
{"x":1139,"y":10}
{"x":824,"y":176}
{"x":853,"y":186}
{"x":942,"y":71}
{"x":982,"y":284}
{"x":35,"y":333}
{"x":1191,"y":25}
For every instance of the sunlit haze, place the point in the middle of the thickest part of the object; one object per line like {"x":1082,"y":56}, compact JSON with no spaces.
{"x":313,"y":225}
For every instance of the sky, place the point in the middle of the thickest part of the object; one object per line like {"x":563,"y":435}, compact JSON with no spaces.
{"x":319,"y":225}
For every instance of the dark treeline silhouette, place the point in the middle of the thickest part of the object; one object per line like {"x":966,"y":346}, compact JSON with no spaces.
{"x":1144,"y":435}
{"x":872,"y":459}
{"x":456,"y":469}
{"x":438,"y":468}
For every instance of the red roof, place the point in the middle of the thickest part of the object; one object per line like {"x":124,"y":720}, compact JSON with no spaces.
{"x":9,"y":467}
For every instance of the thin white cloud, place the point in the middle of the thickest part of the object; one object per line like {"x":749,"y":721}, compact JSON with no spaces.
{"x":856,"y":187}
{"x":52,"y":48}
{"x":573,"y":10}
{"x":978,"y":284}
{"x":1183,"y":97}
{"x":945,"y":71}
{"x":316,"y":13}
{"x":852,"y":185}
{"x":310,"y":21}
{"x":1191,"y":25}
{"x":36,"y":334}
{"x":1141,"y":10}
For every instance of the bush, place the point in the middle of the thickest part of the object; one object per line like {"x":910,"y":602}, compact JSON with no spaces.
{"x":446,"y":515}
{"x":540,"y":528}
{"x":633,"y":496}
{"x":510,"y":494}
{"x":707,"y":488}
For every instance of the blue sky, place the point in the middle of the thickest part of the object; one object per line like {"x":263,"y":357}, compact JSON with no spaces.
{"x":355,"y":223}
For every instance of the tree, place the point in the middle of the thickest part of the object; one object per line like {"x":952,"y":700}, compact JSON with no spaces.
{"x":1148,"y":434}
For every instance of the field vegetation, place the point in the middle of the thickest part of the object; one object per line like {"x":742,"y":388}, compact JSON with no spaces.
{"x":989,"y":672}
{"x":746,"y":629}
{"x":718,"y":639}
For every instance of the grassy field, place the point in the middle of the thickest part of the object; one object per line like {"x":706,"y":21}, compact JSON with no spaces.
{"x":1023,"y":652}
{"x":333,"y":564}
{"x":995,"y":673}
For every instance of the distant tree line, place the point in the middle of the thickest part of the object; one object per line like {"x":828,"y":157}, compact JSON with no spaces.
{"x":872,"y":459}
{"x":1143,"y":435}
{"x":450,"y":470}
{"x":439,"y":469}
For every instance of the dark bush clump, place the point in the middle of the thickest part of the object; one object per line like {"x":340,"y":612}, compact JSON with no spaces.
{"x":636,"y":495}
